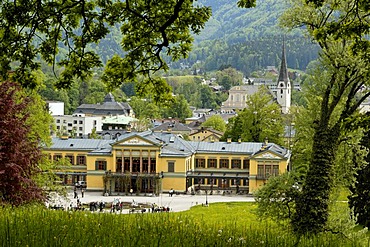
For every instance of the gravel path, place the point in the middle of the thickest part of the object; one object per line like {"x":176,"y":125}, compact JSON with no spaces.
{"x":176,"y":203}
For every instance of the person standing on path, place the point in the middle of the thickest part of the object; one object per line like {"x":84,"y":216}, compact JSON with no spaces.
{"x":82,"y":193}
{"x":75,"y":193}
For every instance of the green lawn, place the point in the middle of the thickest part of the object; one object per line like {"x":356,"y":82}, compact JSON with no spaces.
{"x":229,"y":212}
{"x":220,"y":224}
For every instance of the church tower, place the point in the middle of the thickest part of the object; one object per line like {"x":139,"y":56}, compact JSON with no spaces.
{"x":284,"y":89}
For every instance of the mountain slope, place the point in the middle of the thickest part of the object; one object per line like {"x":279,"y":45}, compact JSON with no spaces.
{"x":247,"y":39}
{"x":237,"y":24}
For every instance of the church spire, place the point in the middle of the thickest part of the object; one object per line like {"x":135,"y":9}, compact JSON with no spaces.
{"x":283,"y":75}
{"x":283,"y":92}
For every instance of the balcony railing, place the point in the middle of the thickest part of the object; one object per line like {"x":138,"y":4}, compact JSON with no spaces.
{"x":132,"y":174}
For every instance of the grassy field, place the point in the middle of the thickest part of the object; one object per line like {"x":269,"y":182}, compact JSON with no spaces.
{"x":220,"y":224}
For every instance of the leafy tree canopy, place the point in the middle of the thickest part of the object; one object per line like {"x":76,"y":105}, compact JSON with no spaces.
{"x":276,"y":199}
{"x":229,"y":77}
{"x":19,"y":148}
{"x":259,"y":120}
{"x":216,"y":122}
{"x":144,"y":108}
{"x":33,"y":29}
{"x":179,"y":108}
{"x":341,"y":29}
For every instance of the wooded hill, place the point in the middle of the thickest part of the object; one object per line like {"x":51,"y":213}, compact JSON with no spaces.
{"x":248,"y":39}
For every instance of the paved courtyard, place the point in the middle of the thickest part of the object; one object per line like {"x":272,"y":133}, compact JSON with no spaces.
{"x":176,"y":203}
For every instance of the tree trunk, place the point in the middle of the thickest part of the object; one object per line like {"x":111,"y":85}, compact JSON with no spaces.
{"x":312,"y":204}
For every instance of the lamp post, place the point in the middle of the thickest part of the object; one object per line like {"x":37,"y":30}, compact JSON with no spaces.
{"x":206,"y":197}
{"x":211,"y":184}
{"x":237,"y":181}
{"x":161,"y":177}
{"x":290,"y":144}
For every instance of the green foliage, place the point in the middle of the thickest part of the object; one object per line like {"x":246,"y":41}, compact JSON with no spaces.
{"x":359,"y":198}
{"x":48,"y":180}
{"x":20,"y":152}
{"x":40,"y":120}
{"x":144,"y":108}
{"x":215,"y":122}
{"x":148,"y":29}
{"x":142,"y":124}
{"x":343,"y":75}
{"x":94,"y":135}
{"x":207,"y":98}
{"x":229,"y":77}
{"x":254,"y":54}
{"x":247,"y":3}
{"x":276,"y":199}
{"x":221,"y":224}
{"x":178,"y":109}
{"x":261,"y":119}
{"x":247,"y":39}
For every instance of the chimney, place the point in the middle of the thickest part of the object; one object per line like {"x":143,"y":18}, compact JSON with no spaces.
{"x":229,"y":140}
{"x":239,"y":139}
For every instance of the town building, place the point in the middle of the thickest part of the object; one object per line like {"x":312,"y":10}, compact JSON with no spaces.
{"x":55,"y":107}
{"x":118,"y":122}
{"x":109,"y":107}
{"x":281,"y":91}
{"x":284,"y":88}
{"x":149,"y":162}
{"x":205,"y":134}
{"x":237,"y":99}
{"x":172,"y":126}
{"x":77,"y":125}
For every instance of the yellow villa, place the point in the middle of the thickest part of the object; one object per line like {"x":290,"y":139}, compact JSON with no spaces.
{"x":151,"y":162}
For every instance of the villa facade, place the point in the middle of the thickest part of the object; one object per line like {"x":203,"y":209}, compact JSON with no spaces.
{"x":148,"y":162}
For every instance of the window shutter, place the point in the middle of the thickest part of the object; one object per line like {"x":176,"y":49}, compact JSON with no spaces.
{"x":96,"y":165}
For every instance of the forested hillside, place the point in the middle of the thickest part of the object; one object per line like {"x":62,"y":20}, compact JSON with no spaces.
{"x":252,"y":55}
{"x":236,"y":25}
{"x":247,"y":39}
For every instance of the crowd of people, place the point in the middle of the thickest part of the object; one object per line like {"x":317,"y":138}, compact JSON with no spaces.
{"x":116,"y":206}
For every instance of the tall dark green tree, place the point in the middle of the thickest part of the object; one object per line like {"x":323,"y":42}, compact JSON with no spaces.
{"x":359,"y":198}
{"x":207,"y":98}
{"x":340,"y":28}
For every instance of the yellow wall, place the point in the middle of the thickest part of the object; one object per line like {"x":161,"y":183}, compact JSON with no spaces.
{"x":179,"y":164}
{"x":255,"y":183}
{"x":201,"y":135}
{"x":95,"y":181}
{"x":176,"y":183}
{"x":176,"y":179}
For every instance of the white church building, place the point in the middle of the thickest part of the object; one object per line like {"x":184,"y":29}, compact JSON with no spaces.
{"x":282,"y":92}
